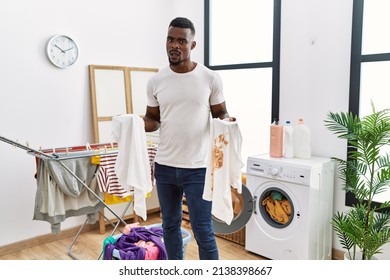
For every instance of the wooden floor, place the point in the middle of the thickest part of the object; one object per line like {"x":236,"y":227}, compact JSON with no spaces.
{"x":89,"y":246}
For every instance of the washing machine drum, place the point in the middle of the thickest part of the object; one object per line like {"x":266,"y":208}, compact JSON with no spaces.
{"x":242,"y":208}
{"x":276,"y":207}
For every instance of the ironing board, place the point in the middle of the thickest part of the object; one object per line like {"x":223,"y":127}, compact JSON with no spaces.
{"x":60,"y":154}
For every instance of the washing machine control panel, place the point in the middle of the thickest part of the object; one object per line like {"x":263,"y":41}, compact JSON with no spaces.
{"x":279,"y":171}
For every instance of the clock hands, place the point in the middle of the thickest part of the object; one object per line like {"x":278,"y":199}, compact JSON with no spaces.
{"x":63,"y":51}
{"x":59,"y":48}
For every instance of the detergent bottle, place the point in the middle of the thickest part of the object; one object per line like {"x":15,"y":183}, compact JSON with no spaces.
{"x":301,"y":138}
{"x":276,"y":139}
{"x":288,"y":140}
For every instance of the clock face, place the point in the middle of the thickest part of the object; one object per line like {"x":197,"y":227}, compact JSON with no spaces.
{"x":62,"y":51}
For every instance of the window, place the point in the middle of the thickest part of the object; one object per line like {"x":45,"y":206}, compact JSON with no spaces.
{"x":370,"y":63}
{"x":242,"y":43}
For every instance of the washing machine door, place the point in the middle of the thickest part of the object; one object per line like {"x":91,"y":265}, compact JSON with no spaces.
{"x":242,"y":208}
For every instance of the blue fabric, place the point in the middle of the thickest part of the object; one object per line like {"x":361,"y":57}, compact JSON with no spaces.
{"x":108,"y":240}
{"x":171,"y":184}
{"x":129,"y":251}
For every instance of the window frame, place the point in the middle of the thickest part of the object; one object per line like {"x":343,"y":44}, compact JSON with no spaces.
{"x":274,"y":64}
{"x":357,"y":58}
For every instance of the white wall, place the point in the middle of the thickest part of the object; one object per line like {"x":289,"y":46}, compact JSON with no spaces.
{"x":314,"y":69}
{"x":50,"y":107}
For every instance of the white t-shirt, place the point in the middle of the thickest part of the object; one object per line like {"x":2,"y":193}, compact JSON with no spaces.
{"x":184,"y":100}
{"x":132,"y":164}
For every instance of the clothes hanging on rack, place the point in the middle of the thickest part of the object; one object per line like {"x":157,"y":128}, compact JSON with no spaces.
{"x":108,"y":182}
{"x":152,"y":151}
{"x":59,"y":195}
{"x":67,"y":184}
{"x":107,"y":179}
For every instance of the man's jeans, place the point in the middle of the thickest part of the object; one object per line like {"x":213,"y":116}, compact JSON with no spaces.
{"x":171,"y":183}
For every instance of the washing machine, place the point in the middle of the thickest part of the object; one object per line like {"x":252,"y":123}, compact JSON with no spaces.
{"x":292,"y":207}
{"x":286,"y":207}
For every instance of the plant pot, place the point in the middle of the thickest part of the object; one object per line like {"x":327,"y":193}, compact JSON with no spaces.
{"x":358,"y":257}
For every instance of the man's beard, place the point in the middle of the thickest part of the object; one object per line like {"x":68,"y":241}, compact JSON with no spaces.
{"x":174,"y":63}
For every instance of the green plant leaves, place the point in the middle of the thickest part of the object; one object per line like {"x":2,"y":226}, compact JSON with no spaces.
{"x":365,"y":173}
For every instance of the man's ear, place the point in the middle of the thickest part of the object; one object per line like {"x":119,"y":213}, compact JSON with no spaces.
{"x":193,"y":45}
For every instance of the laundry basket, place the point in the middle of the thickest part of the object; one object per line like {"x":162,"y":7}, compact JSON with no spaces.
{"x":187,"y":237}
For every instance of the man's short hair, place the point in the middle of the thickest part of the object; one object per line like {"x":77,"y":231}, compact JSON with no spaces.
{"x":182,"y":22}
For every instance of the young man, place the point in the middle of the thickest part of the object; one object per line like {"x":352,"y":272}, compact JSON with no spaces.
{"x":181,"y":97}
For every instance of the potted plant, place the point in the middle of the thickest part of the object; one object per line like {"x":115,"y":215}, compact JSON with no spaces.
{"x":365,"y":227}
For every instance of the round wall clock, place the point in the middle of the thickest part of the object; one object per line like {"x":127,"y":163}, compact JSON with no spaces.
{"x":62,"y":51}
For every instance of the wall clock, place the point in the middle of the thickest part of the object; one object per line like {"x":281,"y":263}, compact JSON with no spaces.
{"x":62,"y":51}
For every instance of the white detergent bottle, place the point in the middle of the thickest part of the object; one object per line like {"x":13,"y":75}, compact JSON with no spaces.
{"x":301,"y":140}
{"x":288,"y":140}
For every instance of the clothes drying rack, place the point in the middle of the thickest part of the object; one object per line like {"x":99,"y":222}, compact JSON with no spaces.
{"x":65,"y":153}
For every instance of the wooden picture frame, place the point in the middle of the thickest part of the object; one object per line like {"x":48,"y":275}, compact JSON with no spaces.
{"x":116,"y":90}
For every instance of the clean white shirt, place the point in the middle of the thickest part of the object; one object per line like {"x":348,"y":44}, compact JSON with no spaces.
{"x":132,"y":164}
